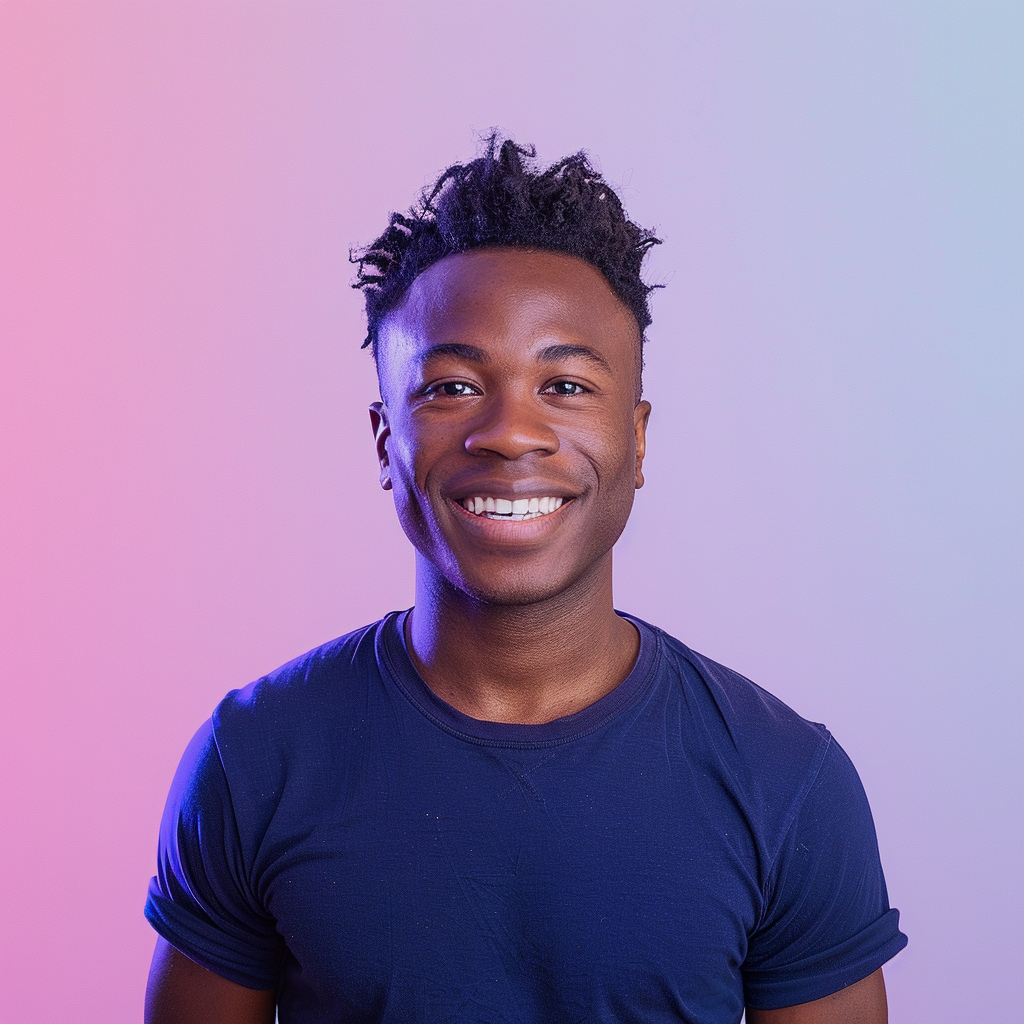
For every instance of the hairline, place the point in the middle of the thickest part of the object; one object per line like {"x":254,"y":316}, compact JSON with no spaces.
{"x":639,"y":337}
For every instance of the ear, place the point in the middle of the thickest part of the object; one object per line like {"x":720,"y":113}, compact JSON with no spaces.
{"x":381,"y":433}
{"x":641,"y":414}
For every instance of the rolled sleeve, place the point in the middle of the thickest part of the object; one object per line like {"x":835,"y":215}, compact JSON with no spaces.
{"x":827,"y":921}
{"x":201,"y":900}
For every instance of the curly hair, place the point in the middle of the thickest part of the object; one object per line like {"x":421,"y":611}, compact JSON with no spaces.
{"x":502,"y":198}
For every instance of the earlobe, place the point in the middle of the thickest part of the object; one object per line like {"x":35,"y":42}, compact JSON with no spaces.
{"x":381,"y":433}
{"x":641,"y":414}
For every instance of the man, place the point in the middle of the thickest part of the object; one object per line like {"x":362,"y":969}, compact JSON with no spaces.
{"x":511,"y":802}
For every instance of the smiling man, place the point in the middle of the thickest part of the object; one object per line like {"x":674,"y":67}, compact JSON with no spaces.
{"x":512,"y":803}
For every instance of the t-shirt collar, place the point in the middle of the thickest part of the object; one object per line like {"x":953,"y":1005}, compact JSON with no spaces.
{"x":391,"y":643}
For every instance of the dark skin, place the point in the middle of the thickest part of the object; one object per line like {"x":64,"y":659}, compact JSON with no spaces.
{"x":513,"y":374}
{"x":179,"y":991}
{"x":509,"y":374}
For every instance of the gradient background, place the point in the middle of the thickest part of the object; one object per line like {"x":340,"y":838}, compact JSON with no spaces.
{"x":190,"y":495}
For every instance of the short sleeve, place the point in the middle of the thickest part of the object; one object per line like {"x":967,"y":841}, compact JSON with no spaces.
{"x":200,"y":900}
{"x":827,"y":922}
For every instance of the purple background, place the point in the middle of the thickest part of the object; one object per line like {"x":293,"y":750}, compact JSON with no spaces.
{"x":833,"y":502}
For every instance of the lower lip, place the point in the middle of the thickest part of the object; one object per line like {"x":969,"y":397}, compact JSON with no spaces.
{"x":514,"y":529}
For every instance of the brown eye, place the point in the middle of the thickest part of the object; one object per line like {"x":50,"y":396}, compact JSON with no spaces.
{"x":452,"y":389}
{"x":567,"y":387}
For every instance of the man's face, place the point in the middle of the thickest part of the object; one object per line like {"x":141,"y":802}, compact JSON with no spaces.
{"x":511,"y":376}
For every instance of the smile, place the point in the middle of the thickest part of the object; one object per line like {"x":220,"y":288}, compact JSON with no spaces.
{"x":504,"y":508}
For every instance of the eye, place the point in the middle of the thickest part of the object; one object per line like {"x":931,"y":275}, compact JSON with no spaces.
{"x":451,"y":389}
{"x":566,"y":388}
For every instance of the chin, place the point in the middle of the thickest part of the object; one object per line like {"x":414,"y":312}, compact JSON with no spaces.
{"x":517,"y":589}
{"x":511,"y":596}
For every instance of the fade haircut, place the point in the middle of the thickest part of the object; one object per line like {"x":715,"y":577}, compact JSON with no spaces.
{"x":503,"y":198}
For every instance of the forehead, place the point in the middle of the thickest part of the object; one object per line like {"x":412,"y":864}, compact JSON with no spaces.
{"x":510,"y":297}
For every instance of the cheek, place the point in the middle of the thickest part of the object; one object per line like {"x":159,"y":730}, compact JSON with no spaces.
{"x":402,"y":457}
{"x":616,"y":483}
{"x":411,"y":507}
{"x":410,"y":464}
{"x":615,"y":457}
{"x":406,"y":453}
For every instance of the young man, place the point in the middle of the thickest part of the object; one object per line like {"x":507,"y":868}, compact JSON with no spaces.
{"x":512,"y":803}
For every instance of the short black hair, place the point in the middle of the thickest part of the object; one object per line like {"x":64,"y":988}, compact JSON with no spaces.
{"x":503,"y":198}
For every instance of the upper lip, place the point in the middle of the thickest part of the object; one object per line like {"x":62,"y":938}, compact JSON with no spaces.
{"x":511,"y":489}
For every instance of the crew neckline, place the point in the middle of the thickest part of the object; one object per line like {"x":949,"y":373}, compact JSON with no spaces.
{"x":512,"y":734}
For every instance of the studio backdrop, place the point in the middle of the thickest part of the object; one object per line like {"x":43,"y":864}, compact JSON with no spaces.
{"x":190,"y":492}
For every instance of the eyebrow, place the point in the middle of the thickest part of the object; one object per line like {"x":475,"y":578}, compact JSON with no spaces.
{"x":551,"y":354}
{"x":555,"y":352}
{"x":454,"y":348}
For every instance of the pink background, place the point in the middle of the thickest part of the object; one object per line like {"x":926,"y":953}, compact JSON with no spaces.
{"x":189,"y":490}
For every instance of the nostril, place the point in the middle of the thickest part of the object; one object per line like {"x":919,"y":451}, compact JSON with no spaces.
{"x":513,"y":440}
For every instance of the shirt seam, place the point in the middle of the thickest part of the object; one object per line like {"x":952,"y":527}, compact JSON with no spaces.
{"x":796,"y":809}
{"x":255,"y":903}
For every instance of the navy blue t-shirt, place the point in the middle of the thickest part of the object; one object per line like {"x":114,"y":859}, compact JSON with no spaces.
{"x":682,"y":846}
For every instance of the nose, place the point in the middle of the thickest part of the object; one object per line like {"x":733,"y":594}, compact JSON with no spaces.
{"x":511,"y":428}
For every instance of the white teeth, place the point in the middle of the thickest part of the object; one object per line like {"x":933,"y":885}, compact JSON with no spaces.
{"x":506,"y":508}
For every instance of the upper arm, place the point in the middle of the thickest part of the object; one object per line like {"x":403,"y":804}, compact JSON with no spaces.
{"x":202,"y":900}
{"x":860,"y":1003}
{"x":827,"y":924}
{"x":179,"y":991}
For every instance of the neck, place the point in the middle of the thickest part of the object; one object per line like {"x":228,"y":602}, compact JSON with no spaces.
{"x":525,"y":664}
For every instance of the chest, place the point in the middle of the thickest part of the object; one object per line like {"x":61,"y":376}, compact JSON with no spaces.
{"x":515,"y":888}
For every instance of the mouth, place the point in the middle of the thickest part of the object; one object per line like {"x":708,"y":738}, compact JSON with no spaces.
{"x":511,"y":510}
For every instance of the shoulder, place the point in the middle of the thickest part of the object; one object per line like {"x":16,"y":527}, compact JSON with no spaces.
{"x":304,"y":688}
{"x":302,"y":713}
{"x":756,"y":723}
{"x":268,"y":744}
{"x":751,"y":744}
